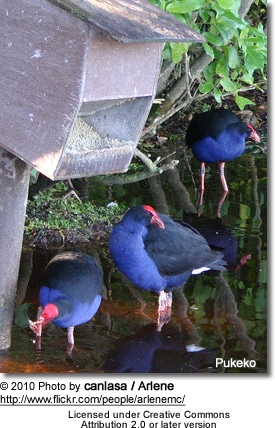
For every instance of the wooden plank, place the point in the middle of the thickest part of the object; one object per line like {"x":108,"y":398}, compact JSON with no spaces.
{"x":118,"y":70}
{"x":132,"y":21}
{"x":43,"y":50}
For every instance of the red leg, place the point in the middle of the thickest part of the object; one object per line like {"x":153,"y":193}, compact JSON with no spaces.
{"x":224,"y":186}
{"x":70,"y":334}
{"x":222,"y":176}
{"x":243,"y":261}
{"x":164,"y":308}
{"x":202,"y":187}
{"x":221,"y":201}
{"x":38,"y":342}
{"x":202,"y":175}
{"x":36,"y":326}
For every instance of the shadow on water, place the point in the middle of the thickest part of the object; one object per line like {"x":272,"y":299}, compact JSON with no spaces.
{"x":215,"y":316}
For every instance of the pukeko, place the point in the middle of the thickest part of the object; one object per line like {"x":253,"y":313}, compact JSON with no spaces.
{"x":218,"y":135}
{"x":159,"y":254}
{"x":70,"y":295}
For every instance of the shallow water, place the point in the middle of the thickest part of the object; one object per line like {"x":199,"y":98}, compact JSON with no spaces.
{"x":213,"y":317}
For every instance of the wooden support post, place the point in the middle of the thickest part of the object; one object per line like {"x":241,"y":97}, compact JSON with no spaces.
{"x":14,"y":184}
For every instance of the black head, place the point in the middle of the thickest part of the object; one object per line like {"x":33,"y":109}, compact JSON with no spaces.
{"x":244,"y":130}
{"x":212,"y":122}
{"x":145,"y":215}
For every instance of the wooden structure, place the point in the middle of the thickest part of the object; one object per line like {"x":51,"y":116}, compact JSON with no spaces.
{"x":65,"y":59}
{"x":78,"y":78}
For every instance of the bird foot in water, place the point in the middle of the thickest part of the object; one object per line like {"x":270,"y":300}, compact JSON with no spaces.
{"x":165,"y":300}
{"x":243,"y":261}
{"x":38,"y":343}
{"x":163,"y":318}
{"x":36,"y":326}
{"x":70,"y":347}
{"x":69,"y":350}
{"x":199,"y":207}
{"x":164,"y":309}
{"x":220,"y":203}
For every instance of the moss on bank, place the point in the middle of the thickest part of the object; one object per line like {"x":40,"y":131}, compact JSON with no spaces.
{"x":52,"y":219}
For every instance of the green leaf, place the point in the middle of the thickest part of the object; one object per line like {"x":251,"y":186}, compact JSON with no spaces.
{"x":229,"y":19}
{"x":244,"y":212}
{"x":262,"y":276}
{"x":225,"y":32}
{"x":204,"y":14}
{"x":228,"y":85}
{"x":226,"y":4}
{"x":233,"y":57}
{"x":261,"y":300}
{"x":208,"y":50}
{"x":218,"y":10}
{"x":241,"y":285}
{"x":178,"y":49}
{"x":217,"y":95}
{"x":213,"y":38}
{"x":185,"y":7}
{"x":208,"y":74}
{"x":233,"y":5}
{"x":247,"y":78}
{"x":248,"y":299}
{"x":206,"y":87}
{"x":260,"y":316}
{"x":166,"y":53}
{"x":253,"y":60}
{"x":242,"y":101}
{"x":22,"y":315}
{"x":235,"y":74}
{"x":222,"y":67}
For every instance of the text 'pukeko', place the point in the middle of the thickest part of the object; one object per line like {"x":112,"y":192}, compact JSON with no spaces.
{"x":218,"y":136}
{"x":71,"y":293}
{"x":159,"y":254}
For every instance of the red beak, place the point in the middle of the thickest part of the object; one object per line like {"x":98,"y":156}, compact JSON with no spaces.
{"x":45,"y":315}
{"x":254,"y":135}
{"x":156,"y":221}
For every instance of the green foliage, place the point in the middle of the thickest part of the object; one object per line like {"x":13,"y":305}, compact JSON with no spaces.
{"x":238,"y":49}
{"x":50,"y":210}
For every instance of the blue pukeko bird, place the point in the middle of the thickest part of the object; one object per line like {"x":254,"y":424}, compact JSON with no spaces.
{"x":218,"y":135}
{"x":71,"y":293}
{"x":159,"y":254}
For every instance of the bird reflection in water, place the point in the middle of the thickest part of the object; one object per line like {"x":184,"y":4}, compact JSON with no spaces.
{"x":153,"y":351}
{"x":176,"y":348}
{"x":219,"y":236}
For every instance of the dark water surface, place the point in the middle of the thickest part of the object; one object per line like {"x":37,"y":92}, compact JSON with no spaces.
{"x":222,"y":316}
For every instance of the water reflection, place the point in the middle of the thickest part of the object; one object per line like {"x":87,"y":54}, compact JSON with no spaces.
{"x":220,"y":237}
{"x":153,"y":351}
{"x":220,"y":315}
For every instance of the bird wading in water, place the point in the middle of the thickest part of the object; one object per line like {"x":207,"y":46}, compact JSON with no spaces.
{"x":159,"y":254}
{"x":218,"y":136}
{"x":70,"y":295}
